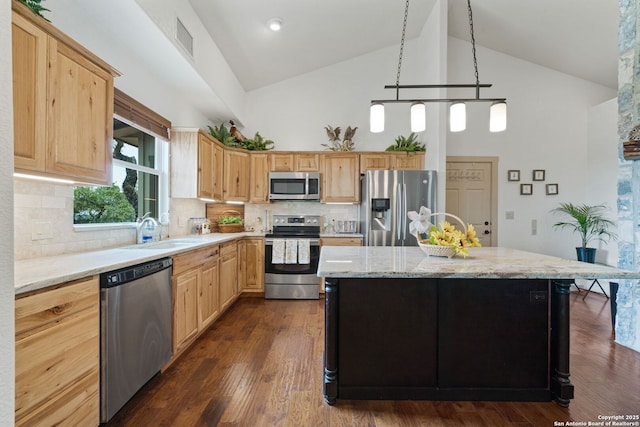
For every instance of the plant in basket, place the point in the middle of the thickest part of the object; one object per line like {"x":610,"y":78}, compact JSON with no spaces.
{"x":445,"y":239}
{"x":230,"y":223}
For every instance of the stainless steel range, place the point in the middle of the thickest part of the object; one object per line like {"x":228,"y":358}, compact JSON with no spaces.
{"x":292,"y":253}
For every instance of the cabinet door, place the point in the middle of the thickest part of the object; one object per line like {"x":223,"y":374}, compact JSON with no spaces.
{"x":282,"y":162}
{"x":508,"y":348}
{"x":259,"y":178}
{"x":236,"y":176}
{"x":79,"y":117}
{"x":185,"y":325}
{"x":408,"y":161}
{"x":341,"y":178}
{"x":228,"y":274}
{"x":208,"y":302}
{"x":381,"y":161}
{"x":205,"y":167}
{"x":29,"y":94}
{"x":307,"y":162}
{"x":58,"y":356}
{"x":253,"y":262}
{"x":218,"y":173}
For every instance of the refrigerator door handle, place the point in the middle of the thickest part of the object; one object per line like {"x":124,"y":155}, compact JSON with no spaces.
{"x":398,"y":210}
{"x":404,"y":212}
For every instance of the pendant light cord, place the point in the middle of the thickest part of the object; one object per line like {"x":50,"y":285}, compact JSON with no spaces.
{"x":404,"y":30}
{"x":473,"y":49}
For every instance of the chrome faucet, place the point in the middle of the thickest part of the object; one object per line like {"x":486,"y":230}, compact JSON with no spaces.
{"x":147,"y":229}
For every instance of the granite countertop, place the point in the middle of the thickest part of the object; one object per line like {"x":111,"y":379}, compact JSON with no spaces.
{"x":486,"y":263}
{"x":40,"y":273}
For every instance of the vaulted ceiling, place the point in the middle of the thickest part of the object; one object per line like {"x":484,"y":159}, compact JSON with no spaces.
{"x":576,"y":37}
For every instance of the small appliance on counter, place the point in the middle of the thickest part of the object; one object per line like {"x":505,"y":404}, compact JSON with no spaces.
{"x":292,"y":253}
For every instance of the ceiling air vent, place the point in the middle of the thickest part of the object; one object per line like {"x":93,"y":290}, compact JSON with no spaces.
{"x":184,"y":37}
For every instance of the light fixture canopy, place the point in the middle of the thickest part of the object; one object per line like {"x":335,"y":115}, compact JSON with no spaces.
{"x":418,"y":117}
{"x":275,"y":24}
{"x":457,"y":118}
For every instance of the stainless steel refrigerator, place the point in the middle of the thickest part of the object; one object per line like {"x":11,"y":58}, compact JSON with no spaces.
{"x":387,"y":196}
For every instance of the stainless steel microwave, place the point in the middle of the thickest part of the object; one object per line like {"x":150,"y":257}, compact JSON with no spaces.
{"x":294,"y":186}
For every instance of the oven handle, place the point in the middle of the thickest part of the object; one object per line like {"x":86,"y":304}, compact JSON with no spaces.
{"x":312,"y":242}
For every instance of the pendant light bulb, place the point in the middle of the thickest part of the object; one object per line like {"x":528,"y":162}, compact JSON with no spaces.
{"x":418,"y":117}
{"x":498,"y":116}
{"x":457,"y":117}
{"x":376,"y":117}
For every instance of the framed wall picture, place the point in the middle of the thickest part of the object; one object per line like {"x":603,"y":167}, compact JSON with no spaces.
{"x":514,"y":175}
{"x":538,"y":174}
{"x":552,"y":189}
{"x":526,"y":189}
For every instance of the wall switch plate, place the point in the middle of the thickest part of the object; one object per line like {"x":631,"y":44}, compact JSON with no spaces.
{"x":41,"y":230}
{"x":509,"y":215}
{"x":534,"y":227}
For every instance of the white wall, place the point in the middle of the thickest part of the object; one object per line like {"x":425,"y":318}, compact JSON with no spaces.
{"x":548,"y":128}
{"x":7,"y":290}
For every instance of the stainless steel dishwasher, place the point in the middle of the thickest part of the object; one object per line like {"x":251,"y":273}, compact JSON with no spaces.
{"x":135,"y":329}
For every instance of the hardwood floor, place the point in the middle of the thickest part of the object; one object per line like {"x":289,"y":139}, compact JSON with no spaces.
{"x":260,"y":365}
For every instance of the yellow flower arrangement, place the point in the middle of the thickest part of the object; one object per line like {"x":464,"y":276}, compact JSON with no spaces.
{"x":448,"y":235}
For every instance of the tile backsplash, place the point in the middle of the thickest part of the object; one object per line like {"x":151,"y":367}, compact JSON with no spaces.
{"x":43,"y":215}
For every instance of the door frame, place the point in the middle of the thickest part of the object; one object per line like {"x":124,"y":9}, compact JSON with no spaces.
{"x":493,"y":161}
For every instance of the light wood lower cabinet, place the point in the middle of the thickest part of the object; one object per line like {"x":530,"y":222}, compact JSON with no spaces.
{"x":251,"y":265}
{"x":195,"y":281}
{"x":58,"y":356}
{"x":228,"y":274}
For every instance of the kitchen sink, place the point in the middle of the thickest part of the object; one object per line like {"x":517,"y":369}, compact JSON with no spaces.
{"x":162,"y":245}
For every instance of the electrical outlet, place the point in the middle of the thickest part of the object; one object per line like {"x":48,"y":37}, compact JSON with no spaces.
{"x":534,"y":227}
{"x":509,"y":215}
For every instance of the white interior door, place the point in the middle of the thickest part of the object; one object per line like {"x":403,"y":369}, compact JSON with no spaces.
{"x":470,"y":195}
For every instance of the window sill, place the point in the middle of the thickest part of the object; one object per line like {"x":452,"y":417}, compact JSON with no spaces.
{"x":100,"y":227}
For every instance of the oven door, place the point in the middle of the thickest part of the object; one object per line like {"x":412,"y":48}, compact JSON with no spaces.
{"x":291,"y":273}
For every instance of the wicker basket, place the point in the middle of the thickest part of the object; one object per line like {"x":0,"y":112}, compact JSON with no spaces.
{"x":231,"y":228}
{"x":437,"y":250}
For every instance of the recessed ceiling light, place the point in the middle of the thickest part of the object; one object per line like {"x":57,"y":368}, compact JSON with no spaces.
{"x":275,"y":24}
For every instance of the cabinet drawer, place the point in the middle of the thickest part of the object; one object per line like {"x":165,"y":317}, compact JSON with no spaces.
{"x":193,"y":259}
{"x":341,"y":241}
{"x":41,"y":309}
{"x":228,"y":249}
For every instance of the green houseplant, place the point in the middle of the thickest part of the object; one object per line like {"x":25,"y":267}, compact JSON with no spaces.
{"x":589,"y":222}
{"x":410,"y":144}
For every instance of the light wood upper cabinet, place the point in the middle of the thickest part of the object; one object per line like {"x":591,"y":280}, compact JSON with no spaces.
{"x":391,"y":160}
{"x":236,"y":175}
{"x":29,"y":94}
{"x":409,"y":161}
{"x":375,"y":161}
{"x":259,"y":182}
{"x":57,"y":363}
{"x":306,"y":162}
{"x":63,"y":103}
{"x":282,"y":162}
{"x":196,"y":164}
{"x":340,"y":178}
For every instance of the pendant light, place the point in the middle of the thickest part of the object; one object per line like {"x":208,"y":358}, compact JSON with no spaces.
{"x":457,"y":111}
{"x":418,"y":117}
{"x":376,"y":117}
{"x":498,"y":117}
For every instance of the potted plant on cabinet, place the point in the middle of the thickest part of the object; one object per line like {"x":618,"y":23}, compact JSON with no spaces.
{"x":589,"y":222}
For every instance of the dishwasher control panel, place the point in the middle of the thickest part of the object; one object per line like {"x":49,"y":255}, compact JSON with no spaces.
{"x":127,"y":274}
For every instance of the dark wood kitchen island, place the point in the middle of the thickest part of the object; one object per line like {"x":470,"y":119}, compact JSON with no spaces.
{"x":492,"y":326}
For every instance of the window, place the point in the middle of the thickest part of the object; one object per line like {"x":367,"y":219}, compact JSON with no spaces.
{"x":140,"y":182}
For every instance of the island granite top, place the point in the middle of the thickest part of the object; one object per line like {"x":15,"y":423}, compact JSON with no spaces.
{"x":487,"y":263}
